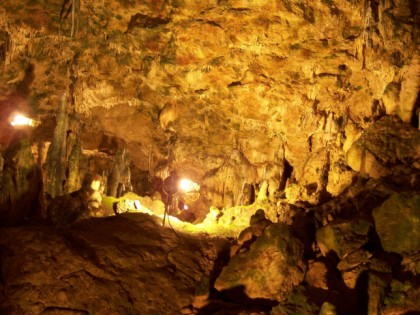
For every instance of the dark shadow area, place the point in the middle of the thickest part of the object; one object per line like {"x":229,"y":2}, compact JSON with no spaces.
{"x":287,"y":173}
{"x":405,"y":182}
{"x":362,"y":293}
{"x":415,"y":115}
{"x":235,"y":301}
{"x":338,"y":294}
{"x":23,"y":89}
{"x":304,"y":228}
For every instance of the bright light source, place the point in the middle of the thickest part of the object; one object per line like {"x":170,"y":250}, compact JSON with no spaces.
{"x":20,"y":120}
{"x":137,"y":204}
{"x":185,"y":207}
{"x":187,"y":185}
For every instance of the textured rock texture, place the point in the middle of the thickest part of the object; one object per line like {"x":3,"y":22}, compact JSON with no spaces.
{"x":269,"y":270}
{"x":397,"y":221}
{"x":225,"y":92}
{"x":120,"y":265}
{"x":308,"y":110}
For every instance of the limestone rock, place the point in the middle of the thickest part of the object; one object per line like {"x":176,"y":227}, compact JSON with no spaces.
{"x":68,"y":208}
{"x":126,"y":264}
{"x":317,"y":275}
{"x":343,"y":237}
{"x":20,"y":183}
{"x":354,"y":259}
{"x":389,"y":146}
{"x":376,"y":288}
{"x":328,"y":309}
{"x":269,"y":270}
{"x":202,"y":292}
{"x":296,"y":302}
{"x":397,"y":223}
{"x":401,"y":298}
{"x":276,"y":81}
{"x":351,"y":276}
{"x":411,"y":262}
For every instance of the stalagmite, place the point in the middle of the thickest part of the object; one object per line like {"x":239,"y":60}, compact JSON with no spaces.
{"x":56,"y":157}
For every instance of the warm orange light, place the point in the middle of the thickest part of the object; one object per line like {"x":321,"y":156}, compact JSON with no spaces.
{"x":20,"y":120}
{"x":187,"y":185}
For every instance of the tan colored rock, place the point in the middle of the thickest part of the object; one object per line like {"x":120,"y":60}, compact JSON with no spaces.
{"x":397,"y":223}
{"x":343,"y":237}
{"x":402,"y":143}
{"x":328,"y":309}
{"x":351,"y":276}
{"x":401,"y":298}
{"x":246,"y":75}
{"x":271,"y":267}
{"x":316,"y":275}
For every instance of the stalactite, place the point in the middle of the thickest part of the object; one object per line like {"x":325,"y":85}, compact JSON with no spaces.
{"x":73,"y":167}
{"x":367,"y":31}
{"x":56,"y":157}
{"x":119,"y":178}
{"x":73,"y":7}
{"x":75,"y":10}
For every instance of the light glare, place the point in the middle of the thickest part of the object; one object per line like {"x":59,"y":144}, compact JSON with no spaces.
{"x":20,"y":120}
{"x":187,"y":185}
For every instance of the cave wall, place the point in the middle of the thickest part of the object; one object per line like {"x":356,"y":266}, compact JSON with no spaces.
{"x":225,"y":92}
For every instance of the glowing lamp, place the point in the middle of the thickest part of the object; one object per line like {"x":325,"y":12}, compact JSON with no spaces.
{"x":187,"y":185}
{"x":20,"y":120}
{"x":137,"y":204}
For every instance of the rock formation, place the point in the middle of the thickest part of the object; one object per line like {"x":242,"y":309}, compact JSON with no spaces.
{"x":306,"y":110}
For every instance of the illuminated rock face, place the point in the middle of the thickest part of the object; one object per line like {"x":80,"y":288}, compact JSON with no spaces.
{"x":306,"y":107}
{"x":197,"y":84}
{"x":269,"y":270}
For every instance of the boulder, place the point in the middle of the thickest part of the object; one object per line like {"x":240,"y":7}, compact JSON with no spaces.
{"x":343,"y":237}
{"x":401,"y":298}
{"x":296,"y":302}
{"x":397,"y":223}
{"x":269,"y":270}
{"x":402,"y":144}
{"x":317,"y":275}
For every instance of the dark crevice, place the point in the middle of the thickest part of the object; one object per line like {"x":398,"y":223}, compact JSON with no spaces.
{"x":236,"y":83}
{"x":4,"y":45}
{"x":415,"y":115}
{"x":240,"y":9}
{"x":144,"y":21}
{"x":200,"y":91}
{"x":324,"y":74}
{"x":65,"y":9}
{"x":56,"y":310}
{"x":23,"y":88}
{"x":287,"y":174}
{"x":374,"y":6}
{"x":308,"y":13}
{"x":213,"y":23}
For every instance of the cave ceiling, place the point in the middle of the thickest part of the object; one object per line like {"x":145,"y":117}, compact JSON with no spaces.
{"x":198,"y":84}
